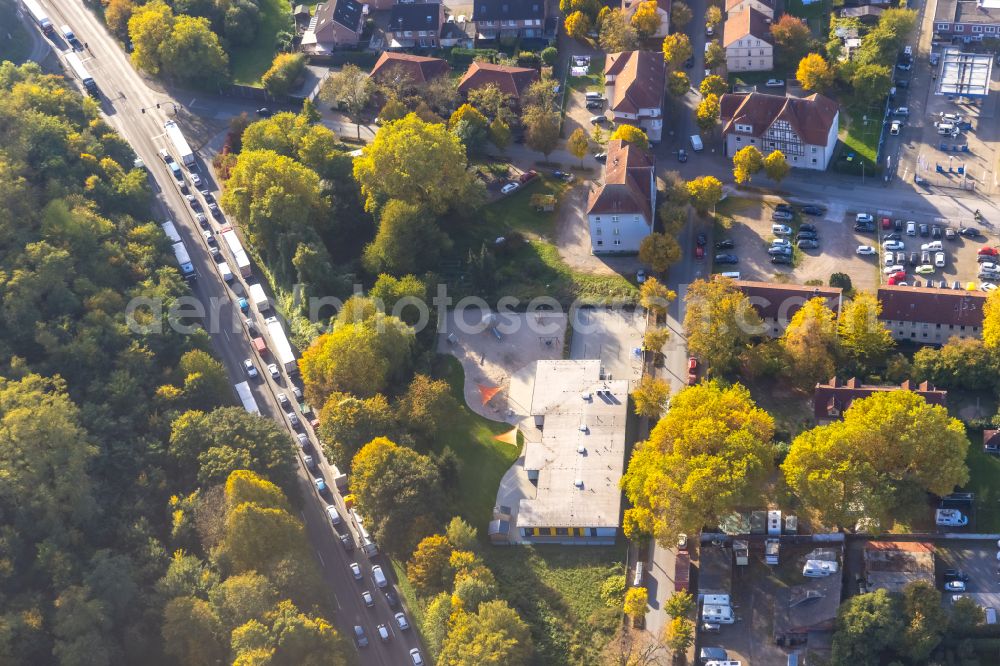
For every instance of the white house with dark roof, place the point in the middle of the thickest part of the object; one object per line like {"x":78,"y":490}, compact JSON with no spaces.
{"x":620,"y":210}
{"x":336,"y":25}
{"x":635,"y":82}
{"x":803,"y":129}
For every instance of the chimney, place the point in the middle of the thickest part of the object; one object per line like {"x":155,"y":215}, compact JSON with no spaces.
{"x":906,"y":385}
{"x":852,"y":383}
{"x":833,"y":382}
{"x":926,"y":386}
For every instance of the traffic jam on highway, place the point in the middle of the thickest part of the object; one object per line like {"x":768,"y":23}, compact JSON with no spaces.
{"x":359,"y":571}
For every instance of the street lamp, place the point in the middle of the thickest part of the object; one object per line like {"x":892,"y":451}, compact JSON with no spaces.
{"x":157,"y":105}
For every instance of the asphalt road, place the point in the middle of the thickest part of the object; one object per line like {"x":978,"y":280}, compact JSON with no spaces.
{"x":129,"y":105}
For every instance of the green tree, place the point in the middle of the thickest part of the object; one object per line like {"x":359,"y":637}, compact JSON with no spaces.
{"x":715,"y":55}
{"x":926,"y":621}
{"x":347,"y":423}
{"x":871,"y":83}
{"x":493,"y":102}
{"x":965,"y":614}
{"x":680,"y":604}
{"x":399,"y":492}
{"x":191,"y":632}
{"x":351,"y":88}
{"x":288,"y":636}
{"x":863,"y":337}
{"x":707,"y":113}
{"x":541,"y":130}
{"x":461,"y":534}
{"x":676,"y":49}
{"x":244,"y":486}
{"x":867,"y":627}
{"x":746,"y":162}
{"x":393,"y":166}
{"x":81,"y":629}
{"x":429,"y":570}
{"x":613,"y":591}
{"x":241,"y":598}
{"x":426,"y":407}
{"x":615,"y":33}
{"x":494,"y":634}
{"x":713,"y":85}
{"x":636,"y":600}
{"x":710,"y":453}
{"x":206,"y":383}
{"x":680,"y":15}
{"x":193,"y":54}
{"x":776,"y":166}
{"x":678,"y":83}
{"x":437,"y":621}
{"x":719,"y":323}
{"x":888,"y":445}
{"x":408,"y":241}
{"x":650,"y":396}
{"x":814,"y":73}
{"x":549,"y":55}
{"x":811,"y":344}
{"x":965,"y":363}
{"x":659,"y":251}
{"x":705,"y":192}
{"x":284,"y":73}
{"x":500,"y":135}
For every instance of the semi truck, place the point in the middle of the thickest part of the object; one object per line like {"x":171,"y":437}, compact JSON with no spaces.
{"x":246,"y":397}
{"x":76,"y":66}
{"x":184,"y":261}
{"x":279,"y":345}
{"x":259,"y":298}
{"x":171,"y":231}
{"x":39,"y":16}
{"x":180,"y":145}
{"x":236,"y":247}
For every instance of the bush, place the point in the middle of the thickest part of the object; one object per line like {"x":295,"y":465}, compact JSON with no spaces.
{"x":549,"y":55}
{"x":613,"y":591}
{"x":285,"y":71}
{"x":529,"y":59}
{"x":842,"y":280}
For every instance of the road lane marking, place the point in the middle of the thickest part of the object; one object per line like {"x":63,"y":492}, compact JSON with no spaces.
{"x":320,"y":556}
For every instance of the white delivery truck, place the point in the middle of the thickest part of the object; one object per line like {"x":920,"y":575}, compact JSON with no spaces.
{"x":180,"y":144}
{"x":226,"y":272}
{"x":280,"y":348}
{"x":259,"y":298}
{"x":696,"y":143}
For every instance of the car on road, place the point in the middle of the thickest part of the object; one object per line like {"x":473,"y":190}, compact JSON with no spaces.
{"x":954,"y":586}
{"x":283,"y":400}
{"x":320,"y":484}
{"x":379,"y":577}
{"x":416,"y":658}
{"x":401,"y":621}
{"x":331,"y":511}
{"x":250,"y":368}
{"x":214,"y":210}
{"x":202,"y":220}
{"x":811,"y":209}
{"x":195,"y":179}
{"x":864,"y":218}
{"x":275,"y":373}
{"x":251,"y":326}
{"x":264,"y":112}
{"x":866,"y":250}
{"x":699,"y":252}
{"x":509,"y":187}
{"x":904,"y":66}
{"x":692,"y":371}
{"x":969,"y":232}
{"x":924,"y":269}
{"x":774,"y":83}
{"x":950,"y":234}
{"x":901,"y":111}
{"x":640,"y":276}
{"x":598,"y":120}
{"x":682,"y":155}
{"x":244,"y":305}
{"x":727,"y":259}
{"x":701,"y":239}
{"x":781,"y":259}
{"x":939,"y":259}
{"x":367,"y":597}
{"x":303,"y":440}
{"x":207,"y":196}
{"x":725,"y":244}
{"x":807,"y":244}
{"x":383,"y":633}
{"x":359,"y":636}
{"x":355,"y":570}
{"x":347,"y":541}
{"x":894,"y":128}
{"x":595,"y":104}
{"x":391,"y":598}
{"x":893,"y":245}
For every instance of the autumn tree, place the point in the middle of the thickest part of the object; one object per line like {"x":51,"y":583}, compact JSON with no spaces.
{"x":393,"y":166}
{"x":863,"y":336}
{"x":494,"y":634}
{"x":616,"y":33}
{"x":814,"y":73}
{"x":399,"y":491}
{"x":659,"y":251}
{"x":960,"y":362}
{"x":926,"y":620}
{"x":426,"y":407}
{"x":500,"y":134}
{"x":191,"y":632}
{"x":715,"y":55}
{"x":636,"y":600}
{"x":284,"y":73}
{"x":181,"y":47}
{"x":678,"y":83}
{"x":656,"y":297}
{"x":347,"y":423}
{"x":679,"y":635}
{"x":408,"y":241}
{"x":746,"y":162}
{"x":991,"y":321}
{"x":713,"y":16}
{"x":810,"y":341}
{"x":776,"y":166}
{"x":541,"y":130}
{"x":429,"y":570}
{"x":792,"y":37}
{"x":650,"y":396}
{"x":654,"y":338}
{"x":631,"y":134}
{"x":858,"y":470}
{"x":680,"y":15}
{"x":117,"y":14}
{"x":709,"y":454}
{"x":719,"y":322}
{"x":350,"y":88}
{"x":578,"y":144}
{"x":679,"y":604}
{"x":646,"y":19}
{"x":707,"y":113}
{"x":577,"y":25}
{"x":713,"y":85}
{"x":705,"y":192}
{"x":676,"y":49}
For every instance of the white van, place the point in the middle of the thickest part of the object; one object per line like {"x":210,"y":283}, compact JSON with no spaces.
{"x":594,"y":96}
{"x":950,"y":518}
{"x":637,"y":581}
{"x":378,"y":577}
{"x":226,"y":272}
{"x":732,"y":275}
{"x":696,"y":143}
{"x":945,"y":129}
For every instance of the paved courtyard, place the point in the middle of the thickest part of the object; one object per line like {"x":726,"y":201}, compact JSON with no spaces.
{"x":612,"y":335}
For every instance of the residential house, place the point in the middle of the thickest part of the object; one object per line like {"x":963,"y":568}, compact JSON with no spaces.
{"x":458,"y":32}
{"x":971,"y":20}
{"x":802,"y":611}
{"x":635,"y":82}
{"x":866,"y":14}
{"x":336,"y":25}
{"x":415,"y":25}
{"x":629,"y":7}
{"x":576,"y":465}
{"x":503,"y":19}
{"x":620,"y":210}
{"x":833,"y":398}
{"x":803,"y":129}
{"x":931,"y":316}
{"x":510,"y":80}
{"x":777,"y":303}
{"x":746,"y":37}
{"x":991,"y":442}
{"x":413,"y":68}
{"x":765,"y":7}
{"x":891,"y":565}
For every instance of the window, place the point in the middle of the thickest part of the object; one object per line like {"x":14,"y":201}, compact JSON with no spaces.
{"x":562,"y":531}
{"x":942,"y":26}
{"x":991,"y":28}
{"x":617,"y":242}
{"x":597,"y":219}
{"x":597,"y":231}
{"x":600,"y":242}
{"x":744,"y":128}
{"x":977,"y":28}
{"x":614,"y":219}
{"x":814,"y":160}
{"x":963,"y":328}
{"x":959,"y":28}
{"x":635,"y":218}
{"x":814,"y":149}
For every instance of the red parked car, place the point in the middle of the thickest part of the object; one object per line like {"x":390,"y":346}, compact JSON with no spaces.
{"x":527,"y":175}
{"x":699,"y":252}
{"x":986,"y":249}
{"x":692,"y":371}
{"x":896,"y":278}
{"x":886,"y":223}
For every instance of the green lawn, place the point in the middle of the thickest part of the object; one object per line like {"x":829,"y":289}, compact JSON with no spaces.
{"x":249,"y":62}
{"x":984,"y":471}
{"x":594,"y":81}
{"x":816,"y":14}
{"x":859,"y":136}
{"x":15,"y":43}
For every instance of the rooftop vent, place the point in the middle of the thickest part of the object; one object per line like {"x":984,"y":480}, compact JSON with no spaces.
{"x":581,"y":449}
{"x":578,"y":483}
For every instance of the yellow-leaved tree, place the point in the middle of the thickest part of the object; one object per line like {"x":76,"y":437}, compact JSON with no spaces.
{"x":811,"y":344}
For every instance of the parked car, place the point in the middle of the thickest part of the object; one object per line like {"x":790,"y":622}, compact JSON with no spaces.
{"x":808,"y":227}
{"x":914,"y":258}
{"x":692,"y":371}
{"x":933,"y":246}
{"x":601,"y":157}
{"x":774,"y":83}
{"x":950,"y":234}
{"x":911,"y":228}
{"x":989,"y":251}
{"x":682,"y":156}
{"x":924,"y":269}
{"x":807,"y":244}
{"x":955,"y":574}
{"x":811,"y":209}
{"x":954,"y":586}
{"x":894,"y":128}
{"x":866,"y":250}
{"x":727,"y":259}
{"x":892,"y":270}
{"x":527,"y":176}
{"x":810,"y":235}
{"x":779,"y":250}
{"x":725,"y":244}
{"x":985,"y":258}
{"x":595,"y":104}
{"x":935,"y":231}
{"x":640,"y":276}
{"x":509,"y":187}
{"x":893,"y":245}
{"x":598,"y":120}
{"x":925,"y":229}
{"x":250,"y":368}
{"x":901,"y":111}
{"x":264,"y":112}
{"x":563,"y":175}
{"x":864,"y":218}
{"x":939,"y":259}
{"x":781,"y":229}
{"x":969,"y":232}
{"x":781,"y":259}
{"x":781,"y":242}
{"x":782,"y":215}
{"x":359,"y":636}
{"x":925,"y":257}
{"x":886,"y":223}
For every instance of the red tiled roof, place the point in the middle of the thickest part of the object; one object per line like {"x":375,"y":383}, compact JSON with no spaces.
{"x":419,"y":69}
{"x":640,"y":80}
{"x":810,"y":117}
{"x":831,"y":400}
{"x":932,"y":306}
{"x":626,"y":187}
{"x":782,"y":301}
{"x":510,"y":80}
{"x":747,"y":22}
{"x":908,"y":546}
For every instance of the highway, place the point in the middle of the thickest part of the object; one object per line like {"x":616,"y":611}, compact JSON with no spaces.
{"x":130,"y":106}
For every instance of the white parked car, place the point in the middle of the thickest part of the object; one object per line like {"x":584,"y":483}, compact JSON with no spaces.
{"x":893,"y":245}
{"x":892,"y":270}
{"x":781,"y":229}
{"x":509,"y":187}
{"x":894,"y":128}
{"x":781,"y":242}
{"x":864,"y":218}
{"x":933,"y":246}
{"x":866,"y":250}
{"x":954,"y":586}
{"x":939,"y":259}
{"x":987,"y":286}
{"x":774,"y":83}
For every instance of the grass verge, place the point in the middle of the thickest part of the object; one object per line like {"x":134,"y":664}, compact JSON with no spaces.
{"x":984,"y":470}
{"x":861,"y":137}
{"x":249,"y":62}
{"x":15,"y":43}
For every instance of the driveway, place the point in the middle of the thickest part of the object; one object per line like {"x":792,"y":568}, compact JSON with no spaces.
{"x":573,"y":238}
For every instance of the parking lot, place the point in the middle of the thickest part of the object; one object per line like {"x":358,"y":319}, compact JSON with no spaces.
{"x":977,"y":559}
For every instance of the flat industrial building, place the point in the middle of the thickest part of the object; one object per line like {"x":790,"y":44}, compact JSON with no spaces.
{"x":964,"y":74}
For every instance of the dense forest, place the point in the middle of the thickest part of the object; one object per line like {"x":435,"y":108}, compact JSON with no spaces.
{"x":143,"y":519}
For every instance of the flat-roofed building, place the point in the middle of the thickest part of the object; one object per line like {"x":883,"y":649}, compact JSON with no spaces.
{"x":892,"y":565}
